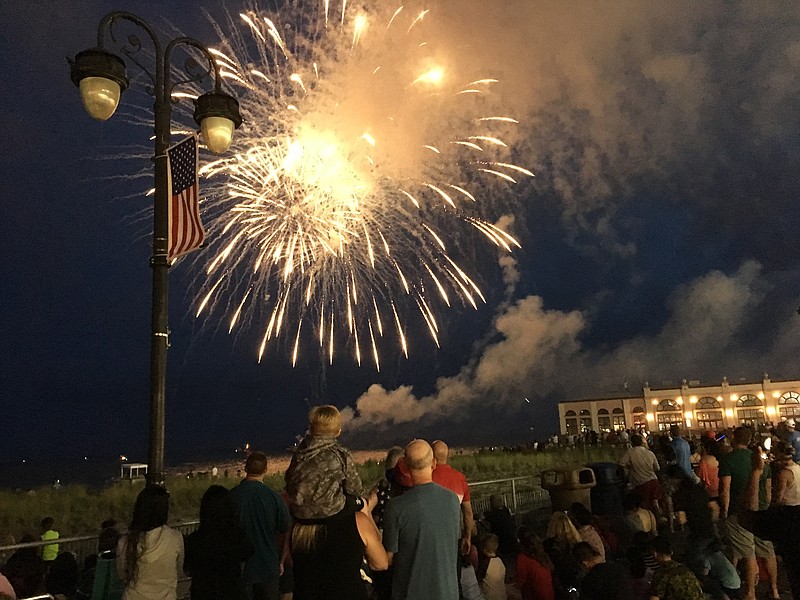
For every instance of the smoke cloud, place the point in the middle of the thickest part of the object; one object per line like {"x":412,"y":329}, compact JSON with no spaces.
{"x":710,"y":334}
{"x":694,"y":105}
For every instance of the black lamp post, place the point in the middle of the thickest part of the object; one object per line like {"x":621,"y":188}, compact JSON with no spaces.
{"x":101,"y":77}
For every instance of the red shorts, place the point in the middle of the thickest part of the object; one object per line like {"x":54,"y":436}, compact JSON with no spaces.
{"x":651,"y":492}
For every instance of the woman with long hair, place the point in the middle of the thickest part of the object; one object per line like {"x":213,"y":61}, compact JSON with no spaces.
{"x":327,"y":556}
{"x":150,"y":556}
{"x":534,"y":576}
{"x":216,"y":551}
{"x":562,"y":537}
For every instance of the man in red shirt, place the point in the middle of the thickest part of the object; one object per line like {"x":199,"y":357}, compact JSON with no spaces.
{"x":447,"y":477}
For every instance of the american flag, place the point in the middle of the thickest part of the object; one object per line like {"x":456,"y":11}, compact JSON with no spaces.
{"x":185,"y":228}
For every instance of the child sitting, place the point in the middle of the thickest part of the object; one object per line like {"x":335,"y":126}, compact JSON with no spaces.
{"x":322,"y":476}
{"x":492,"y":570}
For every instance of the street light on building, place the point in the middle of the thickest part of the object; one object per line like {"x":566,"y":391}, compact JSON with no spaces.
{"x":101,"y":76}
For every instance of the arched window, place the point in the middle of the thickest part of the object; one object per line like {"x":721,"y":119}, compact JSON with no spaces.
{"x":586,"y":421}
{"x":709,"y":414}
{"x":790,"y":398}
{"x":669,"y":413}
{"x":749,"y":400}
{"x":639,"y":418}
{"x":749,"y":411}
{"x":603,"y":420}
{"x":571,"y":422}
{"x":618,"y":419}
{"x":707,"y":402}
{"x":789,"y":406}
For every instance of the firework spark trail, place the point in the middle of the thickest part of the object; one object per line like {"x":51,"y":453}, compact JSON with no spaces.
{"x":361,"y":154}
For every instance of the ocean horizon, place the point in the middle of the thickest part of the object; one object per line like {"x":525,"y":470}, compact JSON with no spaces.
{"x":94,"y":471}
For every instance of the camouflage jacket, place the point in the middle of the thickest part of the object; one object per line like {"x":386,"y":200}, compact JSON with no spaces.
{"x":322,"y":471}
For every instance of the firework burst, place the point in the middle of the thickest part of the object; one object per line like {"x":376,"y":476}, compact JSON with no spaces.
{"x":361,"y":156}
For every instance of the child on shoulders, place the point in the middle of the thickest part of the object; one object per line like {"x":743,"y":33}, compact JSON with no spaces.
{"x":322,"y":478}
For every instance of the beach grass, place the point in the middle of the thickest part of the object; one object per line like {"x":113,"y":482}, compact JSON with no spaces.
{"x":79,"y":510}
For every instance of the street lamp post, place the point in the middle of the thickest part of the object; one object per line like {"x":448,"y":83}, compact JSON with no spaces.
{"x":101,"y":77}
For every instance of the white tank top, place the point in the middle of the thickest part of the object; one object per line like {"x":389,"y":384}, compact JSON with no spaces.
{"x":791,"y":497}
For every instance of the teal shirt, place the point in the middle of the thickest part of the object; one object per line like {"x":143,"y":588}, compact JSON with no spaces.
{"x":107,"y":584}
{"x":422,"y":527}
{"x":263,"y":516}
{"x":736,"y":465}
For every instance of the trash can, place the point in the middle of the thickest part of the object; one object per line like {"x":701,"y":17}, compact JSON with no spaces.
{"x":567,"y":486}
{"x":610,"y":489}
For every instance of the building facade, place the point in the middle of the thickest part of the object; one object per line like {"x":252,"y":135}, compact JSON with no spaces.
{"x":692,"y":405}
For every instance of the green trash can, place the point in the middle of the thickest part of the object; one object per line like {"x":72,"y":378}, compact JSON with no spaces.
{"x":567,"y":486}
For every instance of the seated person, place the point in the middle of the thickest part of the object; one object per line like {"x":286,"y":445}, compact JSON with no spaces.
{"x":641,"y":574}
{"x":26,"y":570}
{"x":502,"y":525}
{"x":704,"y":556}
{"x":562,"y":537}
{"x":638,"y":517}
{"x":534,"y":573}
{"x":602,"y":580}
{"x":468,"y":582}
{"x":492,"y":576}
{"x":673,"y":581}
{"x":582,"y":518}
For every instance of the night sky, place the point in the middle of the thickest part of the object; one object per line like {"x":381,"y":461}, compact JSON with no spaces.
{"x":660,"y":238}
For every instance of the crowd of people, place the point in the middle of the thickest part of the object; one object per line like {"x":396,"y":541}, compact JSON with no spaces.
{"x":725,"y":505}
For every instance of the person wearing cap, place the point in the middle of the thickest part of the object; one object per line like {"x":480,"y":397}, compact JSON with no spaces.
{"x":794,"y":439}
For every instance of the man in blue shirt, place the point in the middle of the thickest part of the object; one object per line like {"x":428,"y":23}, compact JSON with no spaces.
{"x":421,"y":531}
{"x":264,"y":518}
{"x":683,"y":454}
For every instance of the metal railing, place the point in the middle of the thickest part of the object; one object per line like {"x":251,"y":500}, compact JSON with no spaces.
{"x":520,"y":494}
{"x":83,"y":545}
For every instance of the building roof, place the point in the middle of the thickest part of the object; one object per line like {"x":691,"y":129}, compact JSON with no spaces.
{"x":606,"y":398}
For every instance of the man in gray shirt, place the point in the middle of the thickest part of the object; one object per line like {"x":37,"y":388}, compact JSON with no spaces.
{"x":642,"y":465}
{"x":421,"y":533}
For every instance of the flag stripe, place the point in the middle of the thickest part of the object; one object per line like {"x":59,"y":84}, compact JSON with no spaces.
{"x":185,"y":226}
